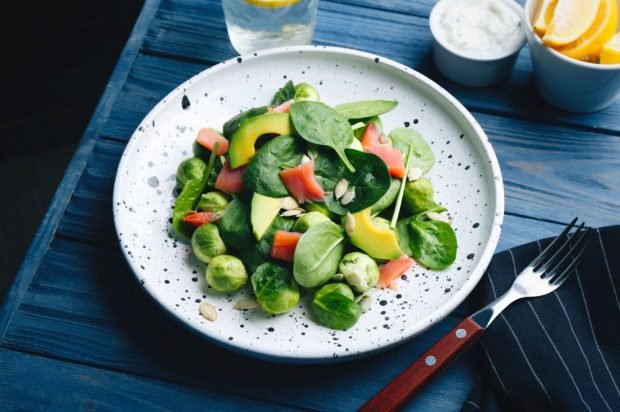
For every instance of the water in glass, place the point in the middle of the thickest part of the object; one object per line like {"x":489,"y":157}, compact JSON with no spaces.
{"x":261,"y":24}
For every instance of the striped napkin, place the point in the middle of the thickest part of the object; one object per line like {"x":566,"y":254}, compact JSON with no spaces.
{"x":557,"y":352}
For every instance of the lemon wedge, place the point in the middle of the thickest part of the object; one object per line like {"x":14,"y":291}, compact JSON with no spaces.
{"x":611,"y":51}
{"x":272,"y":4}
{"x":588,"y":47}
{"x":571,"y":19}
{"x":544,"y":15}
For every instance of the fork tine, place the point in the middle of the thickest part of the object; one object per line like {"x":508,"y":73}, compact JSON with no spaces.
{"x":558,"y":279}
{"x":560,"y":253}
{"x":549,"y":247}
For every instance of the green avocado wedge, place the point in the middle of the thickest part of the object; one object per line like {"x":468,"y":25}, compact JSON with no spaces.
{"x":242,"y":144}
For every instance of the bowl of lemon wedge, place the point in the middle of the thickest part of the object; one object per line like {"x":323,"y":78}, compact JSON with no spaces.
{"x":575,"y":49}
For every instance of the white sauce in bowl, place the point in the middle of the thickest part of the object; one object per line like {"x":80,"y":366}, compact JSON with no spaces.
{"x":480,"y":28}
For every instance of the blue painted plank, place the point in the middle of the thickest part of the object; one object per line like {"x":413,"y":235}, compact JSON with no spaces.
{"x":38,"y":383}
{"x":84,"y":306}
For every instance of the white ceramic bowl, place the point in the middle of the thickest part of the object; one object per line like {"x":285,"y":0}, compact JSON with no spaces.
{"x":567,"y":83}
{"x":462,"y":68}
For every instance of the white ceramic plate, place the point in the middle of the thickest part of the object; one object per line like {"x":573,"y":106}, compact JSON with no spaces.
{"x":466,"y":176}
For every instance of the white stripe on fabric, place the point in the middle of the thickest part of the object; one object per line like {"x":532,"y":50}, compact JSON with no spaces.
{"x":611,"y":280}
{"x":501,"y":382}
{"x":514,"y":335}
{"x":474,"y":404}
{"x":598,"y":348}
{"x":573,"y":332}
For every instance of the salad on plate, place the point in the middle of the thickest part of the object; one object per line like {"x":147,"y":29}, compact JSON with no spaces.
{"x":299,"y":199}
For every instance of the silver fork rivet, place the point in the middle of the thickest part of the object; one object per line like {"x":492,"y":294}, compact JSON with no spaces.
{"x":430,"y":360}
{"x":461,"y":333}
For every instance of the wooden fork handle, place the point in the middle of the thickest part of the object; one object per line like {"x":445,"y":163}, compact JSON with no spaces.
{"x":420,"y":372}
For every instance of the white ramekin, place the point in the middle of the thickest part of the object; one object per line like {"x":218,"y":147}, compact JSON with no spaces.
{"x":467,"y":70}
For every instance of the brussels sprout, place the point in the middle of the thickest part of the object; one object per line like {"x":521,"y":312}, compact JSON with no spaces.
{"x":193,"y":168}
{"x":207,"y":243}
{"x":213,"y":202}
{"x":226,"y":273}
{"x":307,"y":220}
{"x":341,"y":288}
{"x":418,"y":196}
{"x":359,"y":270}
{"x":334,"y":306}
{"x":303,"y":91}
{"x":275,"y":288}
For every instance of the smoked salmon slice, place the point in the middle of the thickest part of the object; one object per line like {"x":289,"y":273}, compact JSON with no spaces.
{"x":208,"y":137}
{"x":229,"y":181}
{"x":393,"y":269}
{"x":302,"y":184}
{"x":392,"y":157}
{"x":284,"y":244}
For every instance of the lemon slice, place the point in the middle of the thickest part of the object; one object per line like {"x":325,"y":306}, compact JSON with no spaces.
{"x":611,"y":51}
{"x":588,"y":47}
{"x":571,"y":19}
{"x":272,"y":4}
{"x":544,"y":15}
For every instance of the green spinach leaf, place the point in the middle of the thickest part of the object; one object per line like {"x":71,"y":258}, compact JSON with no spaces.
{"x":318,"y":123}
{"x":279,"y":223}
{"x":367,"y":108}
{"x":433,"y":243}
{"x":262,"y":173}
{"x":387,"y":199}
{"x":370,"y":181}
{"x":286,"y":93}
{"x":234,"y":226}
{"x":317,"y":254}
{"x":422,"y":156}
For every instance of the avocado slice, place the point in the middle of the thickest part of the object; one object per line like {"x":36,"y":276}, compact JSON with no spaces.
{"x":264,"y":211}
{"x":241,"y":149}
{"x":372,"y":235}
{"x":319,"y":207}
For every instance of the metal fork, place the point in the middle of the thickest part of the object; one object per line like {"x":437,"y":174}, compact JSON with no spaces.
{"x":545,"y":274}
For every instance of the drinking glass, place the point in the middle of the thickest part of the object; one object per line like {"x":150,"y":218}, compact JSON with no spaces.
{"x":262,"y":24}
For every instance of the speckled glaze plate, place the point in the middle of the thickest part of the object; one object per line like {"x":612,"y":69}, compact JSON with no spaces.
{"x":466,"y":176}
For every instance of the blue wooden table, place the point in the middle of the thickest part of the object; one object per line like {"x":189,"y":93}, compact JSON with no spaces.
{"x":77,"y":332}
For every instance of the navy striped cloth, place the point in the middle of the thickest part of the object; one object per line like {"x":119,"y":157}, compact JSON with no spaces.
{"x":557,"y":352}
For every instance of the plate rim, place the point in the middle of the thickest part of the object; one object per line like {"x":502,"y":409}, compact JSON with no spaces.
{"x":422,"y":324}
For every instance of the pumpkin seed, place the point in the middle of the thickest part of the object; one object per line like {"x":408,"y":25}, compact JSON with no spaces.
{"x":337,"y":277}
{"x":365,"y":303}
{"x":289,"y":203}
{"x":349,"y":224}
{"x":208,"y":311}
{"x":341,"y":188}
{"x":247,"y":303}
{"x":348,"y":197}
{"x":305,"y":159}
{"x":292,"y":212}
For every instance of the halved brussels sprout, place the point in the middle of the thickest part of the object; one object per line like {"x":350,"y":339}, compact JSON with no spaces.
{"x":305,"y":221}
{"x":207,"y":243}
{"x":360,"y":271}
{"x":193,"y":168}
{"x":213,"y":202}
{"x":226,"y":273}
{"x":334,"y":306}
{"x":303,"y":91}
{"x":275,"y":289}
